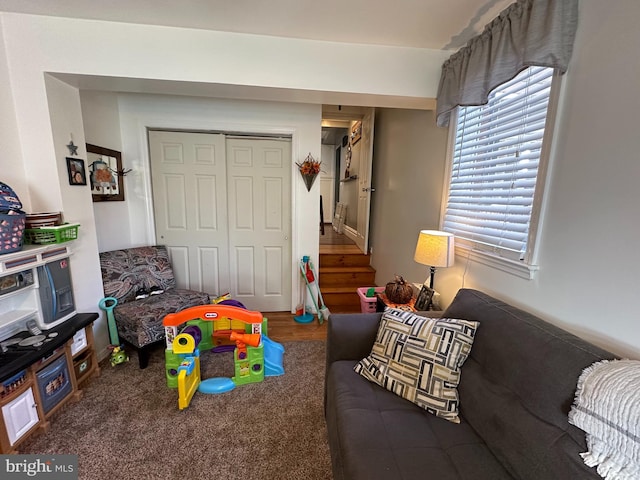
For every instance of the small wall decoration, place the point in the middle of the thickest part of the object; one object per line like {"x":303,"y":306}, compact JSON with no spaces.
{"x":347,"y":161}
{"x":75,"y":169}
{"x":73,"y":149}
{"x":105,"y":170}
{"x":356,"y":132}
{"x":309,"y":169}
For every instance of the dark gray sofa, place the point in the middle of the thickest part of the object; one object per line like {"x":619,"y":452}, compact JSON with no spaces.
{"x":516,"y":390}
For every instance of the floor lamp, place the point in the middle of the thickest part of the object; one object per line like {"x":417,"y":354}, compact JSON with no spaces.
{"x":435,"y":249}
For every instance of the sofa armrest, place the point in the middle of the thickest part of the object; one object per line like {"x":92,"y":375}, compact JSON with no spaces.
{"x":350,"y":336}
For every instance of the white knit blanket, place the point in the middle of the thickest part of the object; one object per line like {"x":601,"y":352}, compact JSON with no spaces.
{"x":607,"y":408}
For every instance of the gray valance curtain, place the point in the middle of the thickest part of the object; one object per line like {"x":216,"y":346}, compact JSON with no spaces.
{"x":527,"y":33}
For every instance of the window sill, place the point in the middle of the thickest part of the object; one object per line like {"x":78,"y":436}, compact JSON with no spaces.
{"x":512,"y":267}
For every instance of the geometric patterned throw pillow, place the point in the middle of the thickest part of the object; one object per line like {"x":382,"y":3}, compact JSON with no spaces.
{"x":419,"y":359}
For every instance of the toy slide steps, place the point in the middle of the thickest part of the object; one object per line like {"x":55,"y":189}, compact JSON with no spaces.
{"x":273,"y":352}
{"x":216,"y":385}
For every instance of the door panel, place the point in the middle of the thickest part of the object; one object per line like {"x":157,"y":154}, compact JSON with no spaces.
{"x":244,"y":271}
{"x":259,"y":179}
{"x":175,"y":209}
{"x":209,"y":259}
{"x":188,"y":173}
{"x":242,"y":188}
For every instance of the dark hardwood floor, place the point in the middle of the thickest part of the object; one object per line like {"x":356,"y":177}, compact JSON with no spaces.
{"x":333,"y":238}
{"x":283,"y":328}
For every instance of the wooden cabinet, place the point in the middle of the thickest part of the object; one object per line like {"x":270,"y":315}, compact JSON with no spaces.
{"x":20,"y":416}
{"x":22,"y":400}
{"x":83,"y":353}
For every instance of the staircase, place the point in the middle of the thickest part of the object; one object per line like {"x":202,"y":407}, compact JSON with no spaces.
{"x":340,"y":276}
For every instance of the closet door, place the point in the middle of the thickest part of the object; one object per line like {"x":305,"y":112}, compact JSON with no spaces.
{"x":188,"y":175}
{"x":259,"y":193}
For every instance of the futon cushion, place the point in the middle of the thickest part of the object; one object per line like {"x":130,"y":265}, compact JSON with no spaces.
{"x":126,"y":271}
{"x":381,"y":436}
{"x":419,"y":359}
{"x":140,"y":321}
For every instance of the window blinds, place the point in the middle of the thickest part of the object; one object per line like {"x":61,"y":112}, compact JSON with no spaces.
{"x":526,"y":33}
{"x":495,"y":165}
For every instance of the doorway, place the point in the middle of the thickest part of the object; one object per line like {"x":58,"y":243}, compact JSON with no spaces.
{"x":347,"y":133}
{"x":222,"y":205}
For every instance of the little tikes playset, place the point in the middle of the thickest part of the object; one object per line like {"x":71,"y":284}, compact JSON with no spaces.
{"x":213,"y":327}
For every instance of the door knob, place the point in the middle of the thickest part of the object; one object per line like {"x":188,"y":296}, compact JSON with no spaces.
{"x":370,"y":189}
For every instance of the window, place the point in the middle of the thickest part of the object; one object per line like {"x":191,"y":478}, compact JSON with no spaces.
{"x":493,"y":199}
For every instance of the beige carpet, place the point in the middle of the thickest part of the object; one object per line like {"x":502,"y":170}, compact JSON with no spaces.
{"x":128,"y":425}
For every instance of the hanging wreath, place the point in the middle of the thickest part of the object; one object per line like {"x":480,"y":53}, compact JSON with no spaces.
{"x":309,"y":169}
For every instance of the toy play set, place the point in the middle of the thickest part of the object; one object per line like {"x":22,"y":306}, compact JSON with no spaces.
{"x":218,"y":328}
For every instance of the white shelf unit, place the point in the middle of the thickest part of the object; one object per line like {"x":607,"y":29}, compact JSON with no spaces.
{"x":32,"y":256}
{"x":21,"y":305}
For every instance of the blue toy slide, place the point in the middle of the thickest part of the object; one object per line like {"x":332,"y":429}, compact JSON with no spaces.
{"x":273,"y":352}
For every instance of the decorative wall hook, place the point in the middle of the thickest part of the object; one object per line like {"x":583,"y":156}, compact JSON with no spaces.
{"x":73,"y":149}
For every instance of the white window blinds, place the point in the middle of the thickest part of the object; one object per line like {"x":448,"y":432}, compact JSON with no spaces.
{"x":495,"y":165}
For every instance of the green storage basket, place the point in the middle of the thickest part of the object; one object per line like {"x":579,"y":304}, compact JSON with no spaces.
{"x":46,"y":235}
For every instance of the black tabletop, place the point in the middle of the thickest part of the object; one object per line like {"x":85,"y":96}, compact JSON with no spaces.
{"x":14,"y":363}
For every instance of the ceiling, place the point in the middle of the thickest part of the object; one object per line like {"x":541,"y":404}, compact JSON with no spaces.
{"x":435,"y":24}
{"x":432,"y":24}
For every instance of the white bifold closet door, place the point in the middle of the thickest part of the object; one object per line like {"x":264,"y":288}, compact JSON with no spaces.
{"x":222,"y":205}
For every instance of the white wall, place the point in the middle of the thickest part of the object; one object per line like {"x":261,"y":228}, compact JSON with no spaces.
{"x":64,"y":108}
{"x":588,"y":255}
{"x":77,"y":50}
{"x":13,"y":173}
{"x":192,"y":55}
{"x":301,"y":121}
{"x":408,"y":168}
{"x":101,"y":120}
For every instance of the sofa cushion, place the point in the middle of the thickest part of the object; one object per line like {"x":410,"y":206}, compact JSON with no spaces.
{"x":379,"y":435}
{"x":140,"y":321}
{"x":419,"y":359}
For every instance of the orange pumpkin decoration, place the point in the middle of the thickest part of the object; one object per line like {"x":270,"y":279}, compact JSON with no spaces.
{"x":398,"y":291}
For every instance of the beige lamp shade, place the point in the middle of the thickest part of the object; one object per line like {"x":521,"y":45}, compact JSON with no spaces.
{"x":435,"y":248}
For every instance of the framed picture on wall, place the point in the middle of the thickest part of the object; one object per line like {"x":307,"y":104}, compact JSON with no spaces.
{"x":356,"y":132}
{"x":76,"y":172}
{"x":105,"y":171}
